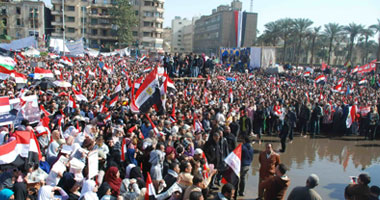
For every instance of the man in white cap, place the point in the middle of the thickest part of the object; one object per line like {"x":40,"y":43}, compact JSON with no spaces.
{"x":307,"y":192}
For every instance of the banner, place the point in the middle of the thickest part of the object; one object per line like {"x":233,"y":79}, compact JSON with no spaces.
{"x":20,"y":44}
{"x":268,"y":57}
{"x":255,"y":57}
{"x":238,"y":27}
{"x":76,"y":48}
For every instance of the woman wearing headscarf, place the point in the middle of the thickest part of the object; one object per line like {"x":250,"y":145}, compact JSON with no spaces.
{"x":89,"y":190}
{"x":112,"y":177}
{"x":46,"y":192}
{"x":104,"y":191}
{"x":6,"y":194}
{"x":131,"y":156}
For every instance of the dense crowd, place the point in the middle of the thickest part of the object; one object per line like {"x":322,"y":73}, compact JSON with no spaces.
{"x":181,"y":144}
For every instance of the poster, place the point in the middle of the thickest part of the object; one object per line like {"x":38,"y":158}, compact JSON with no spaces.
{"x":93,"y":163}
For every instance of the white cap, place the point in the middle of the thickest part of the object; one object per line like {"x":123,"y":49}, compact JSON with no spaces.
{"x":198,"y":151}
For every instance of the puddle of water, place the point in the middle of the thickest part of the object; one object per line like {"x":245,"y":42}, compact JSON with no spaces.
{"x":332,"y":159}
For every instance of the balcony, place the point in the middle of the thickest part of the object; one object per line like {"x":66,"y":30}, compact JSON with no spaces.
{"x":54,"y":34}
{"x":99,"y":15}
{"x":108,"y":37}
{"x":56,"y":12}
{"x":56,"y":23}
{"x":103,"y":26}
{"x":56,"y":2}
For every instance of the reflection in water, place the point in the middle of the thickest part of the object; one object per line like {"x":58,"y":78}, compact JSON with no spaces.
{"x":332,"y":159}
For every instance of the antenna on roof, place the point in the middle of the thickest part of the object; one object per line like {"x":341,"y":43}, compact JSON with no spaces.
{"x":251,"y":6}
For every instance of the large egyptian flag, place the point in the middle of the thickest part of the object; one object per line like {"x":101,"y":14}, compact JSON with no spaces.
{"x":19,"y":78}
{"x":25,"y":146}
{"x":238,"y":27}
{"x":150,"y":191}
{"x":5,"y":73}
{"x":148,"y":94}
{"x":233,"y":160}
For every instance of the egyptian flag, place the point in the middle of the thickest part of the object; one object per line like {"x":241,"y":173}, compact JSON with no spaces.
{"x":205,"y":166}
{"x":231,"y":95}
{"x":19,"y":78}
{"x":320,"y":79}
{"x":233,"y":160}
{"x":108,"y":118}
{"x":351,"y":116}
{"x":229,"y":69}
{"x":40,"y":73}
{"x":155,"y":130}
{"x":4,"y":104}
{"x":103,"y":108}
{"x":147,"y":69}
{"x":72,"y":103}
{"x":150,"y":191}
{"x":142,"y":58}
{"x":208,"y":80}
{"x":114,"y":101}
{"x":363,"y":82}
{"x":65,"y":60}
{"x":169,"y":82}
{"x":117,"y":88}
{"x":138,"y":82}
{"x":277,"y":110}
{"x":42,"y":108}
{"x":5,"y":73}
{"x":79,"y":95}
{"x":172,"y":116}
{"x":323,"y":67}
{"x":148,"y":94}
{"x":123,"y":149}
{"x":307,"y":96}
{"x":306,"y":74}
{"x":128,"y":86}
{"x":24,"y":148}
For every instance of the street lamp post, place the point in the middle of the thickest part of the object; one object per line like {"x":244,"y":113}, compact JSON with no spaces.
{"x":63,"y":25}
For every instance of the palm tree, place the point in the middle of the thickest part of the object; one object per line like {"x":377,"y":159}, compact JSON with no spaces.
{"x":366,"y":33}
{"x":353,"y":30}
{"x":272,"y":33}
{"x":314,"y":34}
{"x":376,"y":29}
{"x":286,"y":26}
{"x":331,"y":31}
{"x":301,"y":27}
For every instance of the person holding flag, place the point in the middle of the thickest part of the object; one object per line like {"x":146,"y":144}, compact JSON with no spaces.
{"x":246,"y":161}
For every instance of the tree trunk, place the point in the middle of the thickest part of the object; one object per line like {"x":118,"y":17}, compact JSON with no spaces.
{"x":330,"y":48}
{"x":350,"y":50}
{"x":366,"y":50}
{"x":298,"y":51}
{"x":312,"y":52}
{"x":284,"y":51}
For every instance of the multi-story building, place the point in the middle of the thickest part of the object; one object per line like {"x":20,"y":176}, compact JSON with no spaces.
{"x":217,"y":30}
{"x":188,"y":36}
{"x":23,"y":18}
{"x":92,"y":20}
{"x":177,"y":33}
{"x":167,"y":39}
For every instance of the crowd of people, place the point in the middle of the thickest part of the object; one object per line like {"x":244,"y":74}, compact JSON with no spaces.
{"x":179,"y":147}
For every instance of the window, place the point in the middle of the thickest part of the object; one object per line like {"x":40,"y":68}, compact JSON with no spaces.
{"x":147,"y":24}
{"x":18,"y":22}
{"x":148,"y":3}
{"x":104,"y":21}
{"x":70,"y":19}
{"x":136,"y":12}
{"x":70,"y":8}
{"x":83,"y":30}
{"x":179,"y":35}
{"x":179,"y":31}
{"x":179,"y":40}
{"x":94,"y":21}
{"x":71,"y":30}
{"x":104,"y":32}
{"x":134,"y":33}
{"x":94,"y":31}
{"x":179,"y":22}
{"x":146,"y":34}
{"x":146,"y":44}
{"x":83,"y":20}
{"x":18,"y":10}
{"x":94,"y":11}
{"x":148,"y":14}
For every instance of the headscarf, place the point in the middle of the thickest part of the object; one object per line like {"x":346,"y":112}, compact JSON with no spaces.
{"x":45,"y":193}
{"x":113,"y":181}
{"x":131,"y":156}
{"x":67,"y":181}
{"x":128,"y":170}
{"x":103,"y":189}
{"x":20,"y":191}
{"x":88,"y":190}
{"x":156,"y":157}
{"x":5,"y":194}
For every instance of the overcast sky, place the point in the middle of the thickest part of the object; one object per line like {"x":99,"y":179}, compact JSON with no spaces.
{"x":321,"y":12}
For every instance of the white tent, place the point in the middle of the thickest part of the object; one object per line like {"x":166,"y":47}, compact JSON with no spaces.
{"x":32,"y":52}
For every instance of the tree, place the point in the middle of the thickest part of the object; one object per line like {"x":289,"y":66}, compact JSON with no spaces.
{"x":2,"y":27}
{"x":286,"y":26}
{"x":331,"y":31}
{"x":376,"y":29}
{"x":124,"y":20}
{"x":366,"y":33}
{"x":353,"y":30}
{"x":314,"y":34}
{"x":301,"y":27}
{"x":271,"y":33}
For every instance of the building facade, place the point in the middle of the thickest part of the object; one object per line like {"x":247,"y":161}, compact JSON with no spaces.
{"x":23,"y":18}
{"x":217,"y":30}
{"x":177,"y":34}
{"x":93,"y":21}
{"x":167,"y":39}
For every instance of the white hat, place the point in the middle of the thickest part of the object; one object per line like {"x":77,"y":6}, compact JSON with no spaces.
{"x":198,"y":151}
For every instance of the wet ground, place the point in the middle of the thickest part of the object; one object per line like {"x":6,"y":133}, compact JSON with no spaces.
{"x":333,"y":159}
